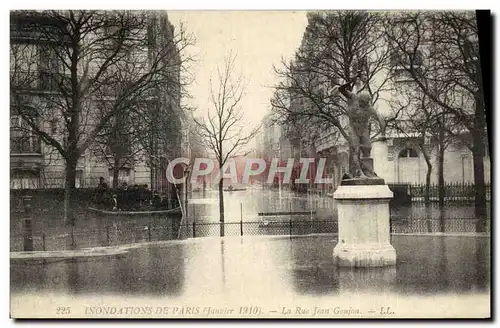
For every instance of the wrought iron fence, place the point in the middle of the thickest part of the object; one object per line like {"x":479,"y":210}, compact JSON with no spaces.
{"x":111,"y":234}
{"x":262,"y":227}
{"x":434,"y":225}
{"x":453,"y":192}
{"x":130,"y":232}
{"x":303,"y":227}
{"x":31,"y":234}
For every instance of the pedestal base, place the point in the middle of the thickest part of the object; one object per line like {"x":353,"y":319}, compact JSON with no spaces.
{"x":364,"y":256}
{"x":364,"y":226}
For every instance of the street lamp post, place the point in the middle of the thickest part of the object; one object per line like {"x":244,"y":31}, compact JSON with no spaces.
{"x":186,"y":173}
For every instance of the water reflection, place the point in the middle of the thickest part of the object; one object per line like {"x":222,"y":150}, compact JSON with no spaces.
{"x":425,"y":265}
{"x":313,"y":270}
{"x":253,"y":268}
{"x":236,"y":268}
{"x":441,"y":263}
{"x":372,"y":280}
{"x":482,"y":264}
{"x":149,"y":271}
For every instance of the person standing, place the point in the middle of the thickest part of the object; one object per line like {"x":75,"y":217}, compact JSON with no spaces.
{"x":101,"y":190}
{"x":156,"y":201}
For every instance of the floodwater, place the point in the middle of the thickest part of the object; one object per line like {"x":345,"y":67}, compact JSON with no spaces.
{"x":245,"y":205}
{"x":266,"y":272}
{"x":319,"y":215}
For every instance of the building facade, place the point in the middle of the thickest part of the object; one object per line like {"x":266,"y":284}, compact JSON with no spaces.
{"x":37,"y":164}
{"x":399,"y":160}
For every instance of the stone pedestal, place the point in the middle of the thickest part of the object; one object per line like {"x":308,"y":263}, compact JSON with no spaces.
{"x":364,"y":227}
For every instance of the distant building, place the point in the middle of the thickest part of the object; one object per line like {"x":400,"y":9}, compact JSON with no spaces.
{"x":399,"y":160}
{"x":272,"y":140}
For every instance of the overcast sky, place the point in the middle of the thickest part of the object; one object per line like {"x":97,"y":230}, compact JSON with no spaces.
{"x":259,"y":38}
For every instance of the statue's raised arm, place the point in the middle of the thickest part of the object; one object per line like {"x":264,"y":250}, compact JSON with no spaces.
{"x":346,"y":93}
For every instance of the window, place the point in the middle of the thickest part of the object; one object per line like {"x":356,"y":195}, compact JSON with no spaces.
{"x":390,"y":153}
{"x":49,"y":60}
{"x":23,"y":66}
{"x":49,"y":68}
{"x":22,"y":139}
{"x":408,"y":153}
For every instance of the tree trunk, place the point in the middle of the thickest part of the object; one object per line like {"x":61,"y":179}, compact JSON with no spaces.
{"x":69,"y":192}
{"x":480,"y":189}
{"x":427,"y":175}
{"x":72,"y":151}
{"x":151,"y":175}
{"x":441,"y":190}
{"x":427,"y":193}
{"x":478,"y":159}
{"x":427,"y":196}
{"x":428,"y":209}
{"x":221,"y":204}
{"x":116,"y":172}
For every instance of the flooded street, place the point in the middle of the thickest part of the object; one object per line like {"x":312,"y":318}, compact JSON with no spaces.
{"x":252,"y":268}
{"x":286,"y":255}
{"x":249,"y":212}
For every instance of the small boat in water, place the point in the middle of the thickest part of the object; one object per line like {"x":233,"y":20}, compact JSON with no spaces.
{"x":231,"y":188}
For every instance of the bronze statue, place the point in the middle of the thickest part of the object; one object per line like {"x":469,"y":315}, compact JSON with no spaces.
{"x":359,"y":111}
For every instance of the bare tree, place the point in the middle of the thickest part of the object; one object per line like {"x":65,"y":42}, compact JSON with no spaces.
{"x":337,"y":47}
{"x":418,"y":120}
{"x":117,"y":145}
{"x":440,"y":53}
{"x":221,"y":132}
{"x":149,"y":131}
{"x":95,"y":64}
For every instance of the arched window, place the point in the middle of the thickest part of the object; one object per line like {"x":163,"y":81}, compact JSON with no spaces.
{"x":408,"y":152}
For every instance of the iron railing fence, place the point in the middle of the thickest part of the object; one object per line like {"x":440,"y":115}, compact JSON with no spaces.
{"x":461,"y":192}
{"x":455,"y":192}
{"x":78,"y":238}
{"x":130,"y":232}
{"x":261,"y":228}
{"x":436,"y":225}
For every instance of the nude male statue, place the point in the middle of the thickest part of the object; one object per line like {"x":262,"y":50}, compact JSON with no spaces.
{"x":359,"y":111}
